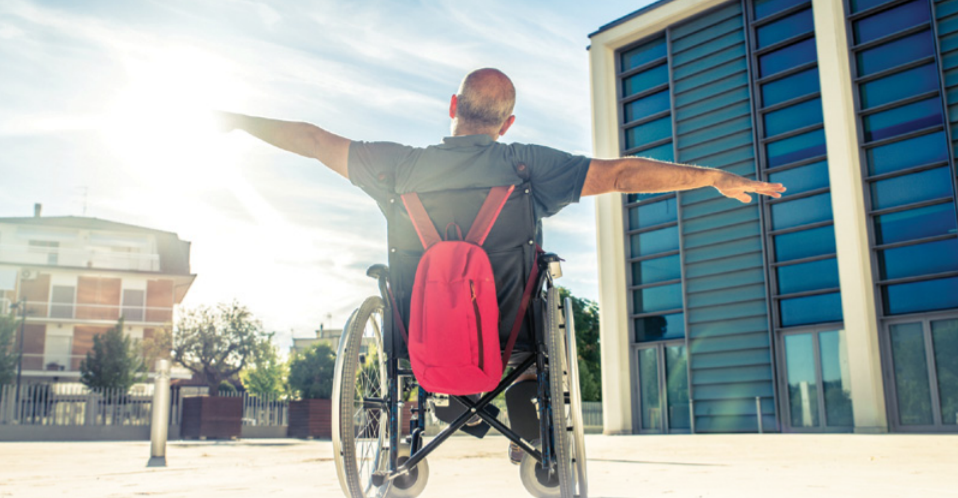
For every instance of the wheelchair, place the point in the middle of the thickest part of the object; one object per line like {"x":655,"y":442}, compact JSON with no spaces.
{"x":380,"y":447}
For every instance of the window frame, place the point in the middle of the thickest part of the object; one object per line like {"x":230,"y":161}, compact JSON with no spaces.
{"x":888,"y":367}
{"x":871,"y":213}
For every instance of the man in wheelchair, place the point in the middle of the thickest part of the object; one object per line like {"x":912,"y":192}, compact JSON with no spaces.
{"x":496,"y":194}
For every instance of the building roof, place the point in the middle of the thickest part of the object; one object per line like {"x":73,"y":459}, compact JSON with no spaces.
{"x":79,"y":222}
{"x":174,"y":253}
{"x":643,"y":10}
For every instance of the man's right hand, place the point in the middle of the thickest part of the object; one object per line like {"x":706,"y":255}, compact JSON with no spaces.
{"x":300,"y":138}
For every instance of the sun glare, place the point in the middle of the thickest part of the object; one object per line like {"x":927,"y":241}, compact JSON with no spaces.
{"x":160,"y":124}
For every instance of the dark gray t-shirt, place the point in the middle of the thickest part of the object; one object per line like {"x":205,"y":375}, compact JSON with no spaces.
{"x":470,"y":161}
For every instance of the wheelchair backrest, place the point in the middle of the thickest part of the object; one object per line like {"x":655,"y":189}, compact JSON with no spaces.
{"x":510,"y":245}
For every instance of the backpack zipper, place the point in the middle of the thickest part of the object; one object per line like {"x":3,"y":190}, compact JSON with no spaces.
{"x":475,"y":307}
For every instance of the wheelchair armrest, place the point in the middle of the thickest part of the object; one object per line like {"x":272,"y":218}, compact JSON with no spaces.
{"x":549,"y":257}
{"x":378,"y":271}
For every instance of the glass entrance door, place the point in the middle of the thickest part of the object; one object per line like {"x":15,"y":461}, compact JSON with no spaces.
{"x":924,"y":365}
{"x":816,"y":381}
{"x":663,"y":389}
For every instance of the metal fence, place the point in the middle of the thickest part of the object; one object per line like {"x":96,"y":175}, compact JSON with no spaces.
{"x":262,"y":409}
{"x":74,"y":405}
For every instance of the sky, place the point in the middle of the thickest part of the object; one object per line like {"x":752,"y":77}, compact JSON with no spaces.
{"x":104,"y":113}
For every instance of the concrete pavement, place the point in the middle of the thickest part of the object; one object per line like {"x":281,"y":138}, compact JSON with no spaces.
{"x":720,"y":466}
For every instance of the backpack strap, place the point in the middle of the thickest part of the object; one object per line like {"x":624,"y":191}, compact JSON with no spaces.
{"x":427,"y":232}
{"x":488,"y":214}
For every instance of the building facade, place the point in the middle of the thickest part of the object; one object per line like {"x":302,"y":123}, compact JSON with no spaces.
{"x":832,"y":309}
{"x":77,"y":276}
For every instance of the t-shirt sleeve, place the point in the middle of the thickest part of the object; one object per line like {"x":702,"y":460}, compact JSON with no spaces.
{"x":372,"y":166}
{"x":557,"y":177}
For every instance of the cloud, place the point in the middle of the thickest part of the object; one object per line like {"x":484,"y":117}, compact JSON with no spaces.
{"x":279,"y":232}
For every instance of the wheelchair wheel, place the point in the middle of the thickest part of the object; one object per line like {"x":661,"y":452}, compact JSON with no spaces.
{"x":575,"y":404}
{"x":565,"y":401}
{"x":360,"y":438}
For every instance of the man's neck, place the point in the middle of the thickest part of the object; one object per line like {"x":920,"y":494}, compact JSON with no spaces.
{"x":460,"y":131}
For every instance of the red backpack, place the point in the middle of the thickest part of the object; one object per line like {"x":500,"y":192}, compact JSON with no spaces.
{"x":454,"y":313}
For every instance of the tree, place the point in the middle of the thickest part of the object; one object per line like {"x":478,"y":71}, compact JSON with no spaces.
{"x":157,"y":347}
{"x":311,"y":372}
{"x":114,"y":362}
{"x":216,"y":344}
{"x":8,"y":348}
{"x":267,"y":374}
{"x":586,"y":316}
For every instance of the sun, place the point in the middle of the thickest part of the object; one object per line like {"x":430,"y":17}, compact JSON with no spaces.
{"x":160,"y":124}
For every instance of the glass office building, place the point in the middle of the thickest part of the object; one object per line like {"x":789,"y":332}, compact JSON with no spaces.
{"x":832,"y":309}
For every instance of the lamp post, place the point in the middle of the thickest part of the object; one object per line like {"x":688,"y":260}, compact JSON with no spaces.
{"x":21,"y":306}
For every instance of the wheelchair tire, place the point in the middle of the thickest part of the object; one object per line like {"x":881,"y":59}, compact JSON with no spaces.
{"x":559,"y":385}
{"x":575,"y":404}
{"x":360,"y":438}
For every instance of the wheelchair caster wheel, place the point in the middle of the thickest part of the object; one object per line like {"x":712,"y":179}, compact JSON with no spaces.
{"x":536,"y":479}
{"x":411,"y":484}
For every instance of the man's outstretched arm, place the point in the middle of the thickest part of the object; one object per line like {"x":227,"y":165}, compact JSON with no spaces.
{"x":301,"y":138}
{"x":648,"y":176}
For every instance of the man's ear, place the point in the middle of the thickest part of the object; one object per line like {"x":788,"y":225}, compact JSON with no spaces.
{"x":506,"y":125}
{"x":453,"y":103}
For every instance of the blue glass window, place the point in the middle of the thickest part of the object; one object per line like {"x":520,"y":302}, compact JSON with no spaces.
{"x":811,"y":276}
{"x":656,"y":213}
{"x":895,"y":53}
{"x":650,"y":271}
{"x":805,"y":244}
{"x":657,"y":76}
{"x":794,"y":149}
{"x":793,"y":117}
{"x":661,"y":298}
{"x":802,"y":211}
{"x":660,"y":327}
{"x":647,"y":106}
{"x":925,"y":149}
{"x":891,"y":20}
{"x":914,"y":297}
{"x":790,"y":87}
{"x":783,"y":29}
{"x":916,"y":187}
{"x":914,"y":224}
{"x":647,"y":133}
{"x":899,"y":86}
{"x":662,"y":152}
{"x":811,"y":309}
{"x":900,"y":120}
{"x":645,"y":197}
{"x":764,"y":8}
{"x":654,"y":242}
{"x":919,"y":259}
{"x":787,"y":58}
{"x":643,"y":54}
{"x":802,"y":179}
{"x":860,"y":5}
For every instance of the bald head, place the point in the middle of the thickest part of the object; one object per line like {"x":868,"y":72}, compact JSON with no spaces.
{"x":486,"y":98}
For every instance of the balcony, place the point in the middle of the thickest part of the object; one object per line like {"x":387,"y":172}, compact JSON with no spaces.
{"x":103,"y":313}
{"x":55,"y":365}
{"x":95,"y":258}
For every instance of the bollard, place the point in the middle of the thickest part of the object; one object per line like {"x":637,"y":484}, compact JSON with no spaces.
{"x":758,"y":413}
{"x":161,"y":415}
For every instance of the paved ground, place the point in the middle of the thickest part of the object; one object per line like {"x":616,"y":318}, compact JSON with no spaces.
{"x":744,"y":466}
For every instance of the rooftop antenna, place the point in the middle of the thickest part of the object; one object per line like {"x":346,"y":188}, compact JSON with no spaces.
{"x":85,"y":191}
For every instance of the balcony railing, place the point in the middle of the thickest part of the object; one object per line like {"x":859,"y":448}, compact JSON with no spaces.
{"x":51,"y":364}
{"x":83,"y":258}
{"x":98,"y":312}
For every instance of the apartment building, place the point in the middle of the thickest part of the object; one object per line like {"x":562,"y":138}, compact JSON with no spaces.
{"x":832,"y":309}
{"x":77,"y":276}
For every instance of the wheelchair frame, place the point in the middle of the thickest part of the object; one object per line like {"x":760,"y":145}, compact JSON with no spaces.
{"x":391,"y":403}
